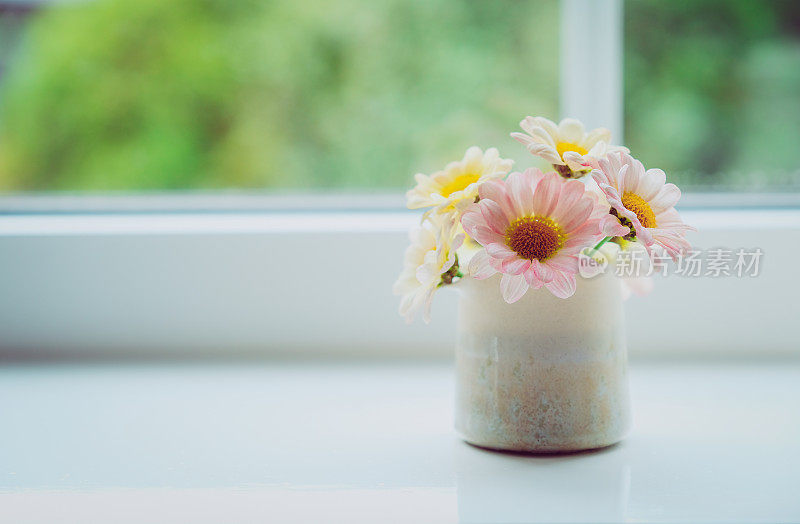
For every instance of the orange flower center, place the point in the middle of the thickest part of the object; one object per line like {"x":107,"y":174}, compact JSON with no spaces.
{"x":563,"y":147}
{"x":639,"y":205}
{"x":534,"y":237}
{"x":459,"y":183}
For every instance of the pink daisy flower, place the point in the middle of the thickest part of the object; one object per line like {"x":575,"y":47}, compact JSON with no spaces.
{"x":532,"y":227}
{"x":642,"y":204}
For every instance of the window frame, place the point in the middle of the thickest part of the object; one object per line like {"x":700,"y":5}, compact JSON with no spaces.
{"x":238,"y":273}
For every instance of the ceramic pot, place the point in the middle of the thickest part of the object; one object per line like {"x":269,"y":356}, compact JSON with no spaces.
{"x":543,"y":374}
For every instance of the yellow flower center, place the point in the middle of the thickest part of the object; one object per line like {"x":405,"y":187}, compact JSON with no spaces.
{"x":563,"y":147}
{"x":534,"y":237}
{"x":639,"y":205}
{"x":459,"y":183}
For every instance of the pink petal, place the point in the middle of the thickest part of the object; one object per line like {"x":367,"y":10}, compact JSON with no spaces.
{"x":479,"y":266}
{"x":586,"y":237}
{"x":674,"y":244}
{"x":532,"y":278}
{"x":571,"y":192}
{"x":533,"y":176}
{"x":494,"y":216}
{"x":515,"y":266}
{"x":562,"y":286}
{"x":613,"y":197}
{"x":610,"y":166}
{"x":577,"y":215}
{"x":472,"y":219}
{"x":496,"y":190}
{"x":603,"y":175}
{"x":600,"y":207}
{"x":610,"y":227}
{"x":525,"y":197}
{"x":543,"y":272}
{"x":497,"y":264}
{"x":564,"y":263}
{"x":633,"y":176}
{"x":485,"y":236}
{"x":520,"y":194}
{"x":513,"y":287}
{"x":500,"y":251}
{"x":622,"y":176}
{"x":545,"y":196}
{"x":670,"y":219}
{"x":642,"y":233}
{"x":493,"y":189}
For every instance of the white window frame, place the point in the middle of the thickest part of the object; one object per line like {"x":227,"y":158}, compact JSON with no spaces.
{"x":311,"y":275}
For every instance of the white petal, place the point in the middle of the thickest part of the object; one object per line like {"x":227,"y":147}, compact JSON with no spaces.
{"x":541,"y":135}
{"x":522,"y":138}
{"x":571,"y":130}
{"x":547,"y":152}
{"x":547,"y":125}
{"x":651,"y":184}
{"x":666,"y":198}
{"x":600,"y":134}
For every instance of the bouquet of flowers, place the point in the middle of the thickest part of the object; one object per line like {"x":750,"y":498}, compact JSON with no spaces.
{"x":532,"y":227}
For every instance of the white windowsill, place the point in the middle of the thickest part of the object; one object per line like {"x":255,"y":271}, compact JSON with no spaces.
{"x":374,"y":443}
{"x":297,"y":283}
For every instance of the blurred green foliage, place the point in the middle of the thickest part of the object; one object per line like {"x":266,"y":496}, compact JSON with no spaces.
{"x":712,"y":90}
{"x":203,"y":94}
{"x":194,"y":94}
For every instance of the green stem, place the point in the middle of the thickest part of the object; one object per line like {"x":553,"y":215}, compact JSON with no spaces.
{"x":600,"y":244}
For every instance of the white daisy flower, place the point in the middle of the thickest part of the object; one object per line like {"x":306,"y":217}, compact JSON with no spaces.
{"x":430,"y":261}
{"x":571,"y":150}
{"x":456,"y":186}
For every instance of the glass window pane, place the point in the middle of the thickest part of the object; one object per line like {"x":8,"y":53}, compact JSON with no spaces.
{"x":188,"y":94}
{"x":712,"y":91}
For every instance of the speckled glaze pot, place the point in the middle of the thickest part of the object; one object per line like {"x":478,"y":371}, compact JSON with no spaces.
{"x":544,"y":374}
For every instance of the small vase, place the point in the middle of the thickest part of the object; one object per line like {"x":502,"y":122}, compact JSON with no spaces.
{"x":544,"y":374}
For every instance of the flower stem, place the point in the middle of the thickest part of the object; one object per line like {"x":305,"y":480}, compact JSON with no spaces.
{"x":600,"y":244}
{"x":450,"y":274}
